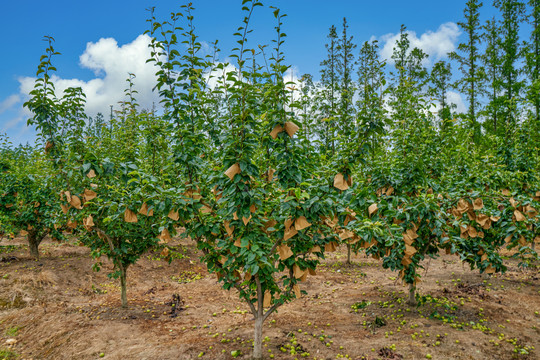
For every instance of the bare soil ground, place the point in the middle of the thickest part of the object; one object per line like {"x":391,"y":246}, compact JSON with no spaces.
{"x":58,"y":308}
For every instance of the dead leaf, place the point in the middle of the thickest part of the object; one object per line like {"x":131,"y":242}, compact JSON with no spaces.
{"x":91,"y":174}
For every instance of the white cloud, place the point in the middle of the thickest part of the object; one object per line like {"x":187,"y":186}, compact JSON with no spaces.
{"x":436,"y":44}
{"x":111,"y":64}
{"x":455,"y":98}
{"x":9,"y":102}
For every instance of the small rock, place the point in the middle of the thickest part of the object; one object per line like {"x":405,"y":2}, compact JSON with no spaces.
{"x":11,"y":341}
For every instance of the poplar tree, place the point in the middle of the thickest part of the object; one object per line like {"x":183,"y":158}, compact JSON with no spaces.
{"x":371,"y":115}
{"x":330,"y":89}
{"x":491,"y":59}
{"x":441,"y":77}
{"x":512,"y":12}
{"x":533,"y":62}
{"x":346,"y":63}
{"x":409,"y":80}
{"x":466,"y":56}
{"x":307,"y":106}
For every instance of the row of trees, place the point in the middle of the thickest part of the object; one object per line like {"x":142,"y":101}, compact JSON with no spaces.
{"x":496,"y":71}
{"x":262,"y":180}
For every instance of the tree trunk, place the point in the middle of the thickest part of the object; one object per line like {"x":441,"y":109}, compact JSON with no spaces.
{"x":123,"y":270}
{"x":412,"y":298}
{"x":34,"y":239}
{"x":349,"y":254}
{"x":257,"y":339}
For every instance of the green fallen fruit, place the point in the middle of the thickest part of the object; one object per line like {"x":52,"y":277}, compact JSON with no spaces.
{"x":235,"y":353}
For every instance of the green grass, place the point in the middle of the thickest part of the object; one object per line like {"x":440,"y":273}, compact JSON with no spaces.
{"x":8,"y":354}
{"x":12,"y":331}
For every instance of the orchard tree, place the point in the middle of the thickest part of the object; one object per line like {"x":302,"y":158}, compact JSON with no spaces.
{"x":28,"y":203}
{"x":259,"y":228}
{"x":100,"y":198}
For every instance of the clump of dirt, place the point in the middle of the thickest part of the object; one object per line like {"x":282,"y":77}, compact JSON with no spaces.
{"x":176,"y":304}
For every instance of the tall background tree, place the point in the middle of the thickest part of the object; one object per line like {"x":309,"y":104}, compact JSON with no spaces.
{"x":467,"y":58}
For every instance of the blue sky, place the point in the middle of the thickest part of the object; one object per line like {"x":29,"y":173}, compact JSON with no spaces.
{"x":101,"y":41}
